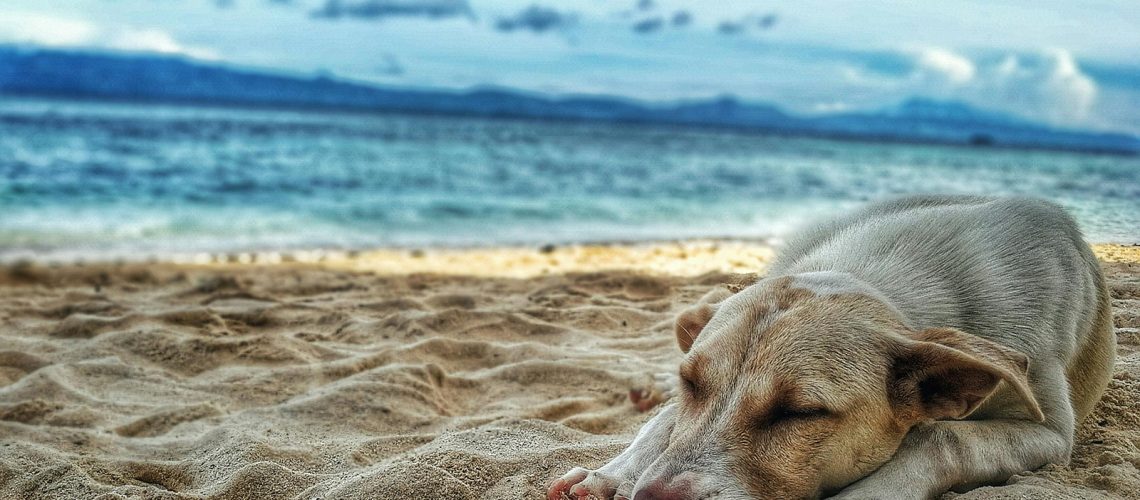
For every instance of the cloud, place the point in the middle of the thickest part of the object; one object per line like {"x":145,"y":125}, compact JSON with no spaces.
{"x":681,"y":19}
{"x":153,"y":40}
{"x":52,"y":31}
{"x":730,"y":28}
{"x":644,"y":5}
{"x":390,"y":66}
{"x":738,"y":26}
{"x":1047,"y":85}
{"x":538,"y":19}
{"x":1112,"y":75}
{"x":830,"y":107}
{"x":381,"y":9}
{"x":1051,"y":84}
{"x":45,"y":30}
{"x":945,"y":65}
{"x":650,"y":25}
{"x":767,"y":21}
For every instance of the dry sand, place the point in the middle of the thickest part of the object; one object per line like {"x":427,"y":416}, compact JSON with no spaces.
{"x":351,"y":378}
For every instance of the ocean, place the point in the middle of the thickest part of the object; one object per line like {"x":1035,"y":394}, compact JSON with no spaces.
{"x":103,"y":181}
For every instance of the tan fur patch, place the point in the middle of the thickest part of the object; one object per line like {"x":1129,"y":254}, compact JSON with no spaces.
{"x":791,"y":449}
{"x":692,"y":371}
{"x":1090,"y":369}
{"x":785,"y":296}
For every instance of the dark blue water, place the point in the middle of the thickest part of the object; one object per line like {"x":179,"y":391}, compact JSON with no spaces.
{"x":111,"y":180}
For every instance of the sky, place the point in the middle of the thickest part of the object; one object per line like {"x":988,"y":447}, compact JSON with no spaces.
{"x":1073,"y":64}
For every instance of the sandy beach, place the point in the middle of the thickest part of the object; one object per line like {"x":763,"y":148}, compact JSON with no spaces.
{"x":392,"y":374}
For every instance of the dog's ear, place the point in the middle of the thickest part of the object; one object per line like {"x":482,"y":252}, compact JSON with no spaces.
{"x":692,"y":320}
{"x":948,"y":373}
{"x":690,"y":323}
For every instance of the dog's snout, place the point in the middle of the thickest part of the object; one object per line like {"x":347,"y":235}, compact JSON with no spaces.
{"x":677,"y":488}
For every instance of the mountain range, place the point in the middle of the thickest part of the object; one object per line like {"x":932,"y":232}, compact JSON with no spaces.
{"x":140,"y":77}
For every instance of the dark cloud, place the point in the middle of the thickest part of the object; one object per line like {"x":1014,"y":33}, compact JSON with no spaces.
{"x":644,"y":5}
{"x":390,"y":66}
{"x":536,"y":18}
{"x":1125,"y":77}
{"x":681,"y":19}
{"x":651,"y":25}
{"x":736,"y":27}
{"x":730,"y":27}
{"x":380,"y":9}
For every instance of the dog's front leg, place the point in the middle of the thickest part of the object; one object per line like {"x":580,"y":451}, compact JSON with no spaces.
{"x":615,"y":479}
{"x":939,"y":456}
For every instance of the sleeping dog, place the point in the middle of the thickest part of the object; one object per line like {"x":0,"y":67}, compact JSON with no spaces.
{"x":916,"y":346}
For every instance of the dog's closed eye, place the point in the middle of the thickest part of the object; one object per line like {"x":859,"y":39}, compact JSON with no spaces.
{"x":784,"y":414}
{"x":690,"y":385}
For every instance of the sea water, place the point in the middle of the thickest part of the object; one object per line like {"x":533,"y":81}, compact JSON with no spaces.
{"x":91,"y":181}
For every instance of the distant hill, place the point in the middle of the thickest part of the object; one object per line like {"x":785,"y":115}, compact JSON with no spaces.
{"x":44,"y":72}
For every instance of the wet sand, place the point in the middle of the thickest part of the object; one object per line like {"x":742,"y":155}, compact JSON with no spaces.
{"x":394,"y":374}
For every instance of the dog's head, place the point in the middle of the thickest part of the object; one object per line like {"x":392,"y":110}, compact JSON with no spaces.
{"x":788,"y":392}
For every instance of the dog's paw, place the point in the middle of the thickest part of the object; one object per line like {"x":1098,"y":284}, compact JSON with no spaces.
{"x":585,"y":484}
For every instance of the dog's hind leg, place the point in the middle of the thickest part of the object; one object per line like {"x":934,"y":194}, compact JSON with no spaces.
{"x":615,"y":479}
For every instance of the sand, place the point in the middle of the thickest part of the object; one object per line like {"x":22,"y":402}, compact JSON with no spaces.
{"x":393,"y":374}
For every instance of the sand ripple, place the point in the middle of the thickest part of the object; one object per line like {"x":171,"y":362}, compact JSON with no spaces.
{"x":293,"y":382}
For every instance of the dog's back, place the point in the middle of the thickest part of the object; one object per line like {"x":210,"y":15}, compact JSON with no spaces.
{"x":1012,"y":270}
{"x":916,"y":346}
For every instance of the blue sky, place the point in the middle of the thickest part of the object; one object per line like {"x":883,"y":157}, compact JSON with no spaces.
{"x":1069,"y":63}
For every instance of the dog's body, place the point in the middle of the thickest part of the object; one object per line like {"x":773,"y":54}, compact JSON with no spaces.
{"x":916,"y":346}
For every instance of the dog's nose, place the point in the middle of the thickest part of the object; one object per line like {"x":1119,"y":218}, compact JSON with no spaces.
{"x":662,"y":489}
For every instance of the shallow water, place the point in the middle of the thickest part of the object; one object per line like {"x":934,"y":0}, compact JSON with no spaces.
{"x":94,"y":181}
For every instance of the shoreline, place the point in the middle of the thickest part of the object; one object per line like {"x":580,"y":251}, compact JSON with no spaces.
{"x":683,"y":258}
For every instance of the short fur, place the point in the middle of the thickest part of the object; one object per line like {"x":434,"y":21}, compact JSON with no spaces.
{"x":914,"y":346}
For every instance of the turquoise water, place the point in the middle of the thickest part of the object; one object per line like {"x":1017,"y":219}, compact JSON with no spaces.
{"x":92,"y":181}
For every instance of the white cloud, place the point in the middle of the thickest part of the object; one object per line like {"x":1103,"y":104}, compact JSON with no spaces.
{"x":945,"y":65}
{"x":41,"y":29}
{"x":1048,"y":85}
{"x":830,"y":107}
{"x":152,"y":40}
{"x":1051,"y":84}
{"x":53,"y":31}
